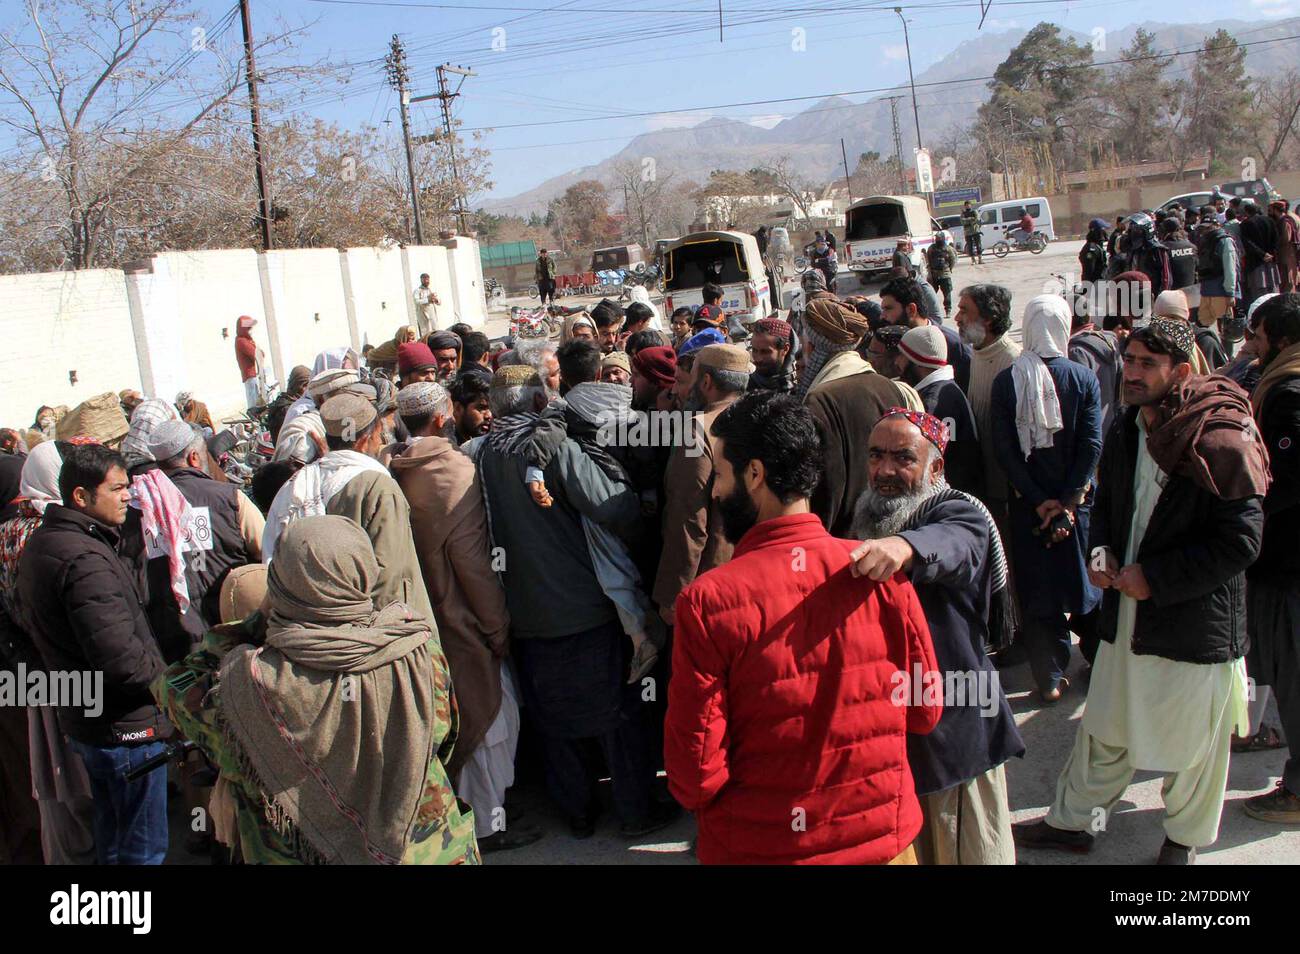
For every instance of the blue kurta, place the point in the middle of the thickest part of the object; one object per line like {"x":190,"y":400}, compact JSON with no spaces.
{"x":1051,"y":580}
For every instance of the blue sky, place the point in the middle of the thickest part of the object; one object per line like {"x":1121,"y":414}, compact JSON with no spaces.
{"x":572,"y":64}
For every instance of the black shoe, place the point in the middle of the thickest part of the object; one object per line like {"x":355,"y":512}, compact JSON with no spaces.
{"x":509,"y":840}
{"x":582,"y":826}
{"x":1172,"y":853}
{"x":659,"y":816}
{"x":1039,"y":834}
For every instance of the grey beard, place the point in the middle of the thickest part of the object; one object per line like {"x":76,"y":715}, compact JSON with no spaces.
{"x":876,"y":516}
{"x":974,"y":336}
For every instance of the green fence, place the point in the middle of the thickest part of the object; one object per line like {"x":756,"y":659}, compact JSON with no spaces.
{"x":508,"y":253}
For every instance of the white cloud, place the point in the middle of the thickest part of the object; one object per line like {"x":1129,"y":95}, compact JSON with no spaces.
{"x":1003,"y":24}
{"x":765,"y":122}
{"x":895,"y":52}
{"x":674,"y":120}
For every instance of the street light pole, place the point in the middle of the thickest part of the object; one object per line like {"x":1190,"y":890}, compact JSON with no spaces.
{"x":916,"y":116}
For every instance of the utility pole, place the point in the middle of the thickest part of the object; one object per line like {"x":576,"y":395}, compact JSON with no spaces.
{"x":908,"y":44}
{"x":445,"y":96}
{"x":898,"y":145}
{"x":263,"y":197}
{"x":848,"y":183}
{"x":397,"y":77}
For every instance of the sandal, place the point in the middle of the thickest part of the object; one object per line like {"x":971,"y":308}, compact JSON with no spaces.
{"x":1266,"y":738}
{"x":643,"y":660}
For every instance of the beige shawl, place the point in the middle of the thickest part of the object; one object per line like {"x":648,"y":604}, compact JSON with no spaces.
{"x":333,"y":717}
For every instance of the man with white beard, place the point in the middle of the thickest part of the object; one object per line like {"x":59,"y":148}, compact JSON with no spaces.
{"x":947,"y":544}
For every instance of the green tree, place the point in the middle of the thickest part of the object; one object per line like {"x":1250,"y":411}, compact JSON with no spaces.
{"x":1043,"y":97}
{"x":1137,"y":99}
{"x":1211,"y":105}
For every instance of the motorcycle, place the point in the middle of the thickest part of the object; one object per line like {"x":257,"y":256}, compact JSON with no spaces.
{"x":1034,"y":243}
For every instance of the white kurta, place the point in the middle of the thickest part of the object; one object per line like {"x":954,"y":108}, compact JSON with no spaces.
{"x":1166,"y":714}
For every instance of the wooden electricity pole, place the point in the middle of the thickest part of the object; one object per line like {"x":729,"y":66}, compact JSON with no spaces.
{"x":263,"y":196}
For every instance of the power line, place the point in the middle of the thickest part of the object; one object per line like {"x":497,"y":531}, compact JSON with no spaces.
{"x":863,"y":92}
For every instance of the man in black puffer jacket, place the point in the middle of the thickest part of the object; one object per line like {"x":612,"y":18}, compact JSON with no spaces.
{"x":84,"y":614}
{"x":1177,"y":520}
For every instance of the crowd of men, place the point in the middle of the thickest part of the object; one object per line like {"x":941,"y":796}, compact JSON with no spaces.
{"x":786,"y":572}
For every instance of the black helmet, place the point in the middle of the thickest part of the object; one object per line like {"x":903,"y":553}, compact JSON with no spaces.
{"x":1141,"y":223}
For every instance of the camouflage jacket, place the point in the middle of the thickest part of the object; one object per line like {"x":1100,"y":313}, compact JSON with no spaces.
{"x":444,"y":826}
{"x":941,"y":258}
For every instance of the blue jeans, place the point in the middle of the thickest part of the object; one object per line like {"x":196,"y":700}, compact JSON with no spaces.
{"x":130,"y":817}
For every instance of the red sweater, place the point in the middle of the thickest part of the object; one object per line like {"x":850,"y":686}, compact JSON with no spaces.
{"x":782,"y":732}
{"x":246,"y":355}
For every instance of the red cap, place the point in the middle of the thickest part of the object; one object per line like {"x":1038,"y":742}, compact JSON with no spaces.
{"x":414,"y":355}
{"x":659,"y":364}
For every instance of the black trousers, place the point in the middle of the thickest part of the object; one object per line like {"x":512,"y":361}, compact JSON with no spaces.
{"x":1273,"y":618}
{"x":575,"y":693}
{"x":546,"y":288}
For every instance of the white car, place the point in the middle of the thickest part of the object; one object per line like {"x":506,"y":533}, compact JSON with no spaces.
{"x":1191,"y":201}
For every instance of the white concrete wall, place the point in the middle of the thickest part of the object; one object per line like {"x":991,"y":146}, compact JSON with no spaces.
{"x":159,"y":327}
{"x":306,"y":293}
{"x":377,"y":295}
{"x":466,"y":268}
{"x":56,"y":322}
{"x":188,"y":307}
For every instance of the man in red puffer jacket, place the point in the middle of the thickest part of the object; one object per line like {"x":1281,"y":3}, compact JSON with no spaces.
{"x":789,"y":706}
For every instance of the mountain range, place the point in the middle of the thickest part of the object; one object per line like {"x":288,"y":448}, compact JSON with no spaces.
{"x":811,"y":138}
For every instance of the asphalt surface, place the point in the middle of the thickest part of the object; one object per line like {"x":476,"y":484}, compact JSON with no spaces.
{"x":1134,"y":832}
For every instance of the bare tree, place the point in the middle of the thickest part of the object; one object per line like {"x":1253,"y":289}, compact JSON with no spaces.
{"x":644,"y":192}
{"x":1275,"y":108}
{"x":781,"y":174}
{"x":79,"y":85}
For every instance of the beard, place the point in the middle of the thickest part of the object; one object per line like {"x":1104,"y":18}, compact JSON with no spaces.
{"x":973,"y":335}
{"x":694,"y":400}
{"x":878,"y":515}
{"x":739,"y":513}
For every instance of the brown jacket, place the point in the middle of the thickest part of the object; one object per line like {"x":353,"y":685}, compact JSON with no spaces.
{"x":845,"y":411}
{"x":449,"y":523}
{"x":693,"y":540}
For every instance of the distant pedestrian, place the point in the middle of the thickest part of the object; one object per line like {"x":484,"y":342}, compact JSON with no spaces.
{"x":970,"y":224}
{"x":544,"y":274}
{"x":941,"y":260}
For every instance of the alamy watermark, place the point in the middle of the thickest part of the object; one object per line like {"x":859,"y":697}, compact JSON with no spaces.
{"x":651,"y":429}
{"x":65,"y":690}
{"x":977,"y":688}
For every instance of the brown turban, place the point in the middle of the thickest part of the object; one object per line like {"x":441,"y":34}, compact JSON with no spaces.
{"x":835,"y":321}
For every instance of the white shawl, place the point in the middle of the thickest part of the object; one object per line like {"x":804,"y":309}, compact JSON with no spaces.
{"x":311,"y":491}
{"x":1046,"y":335}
